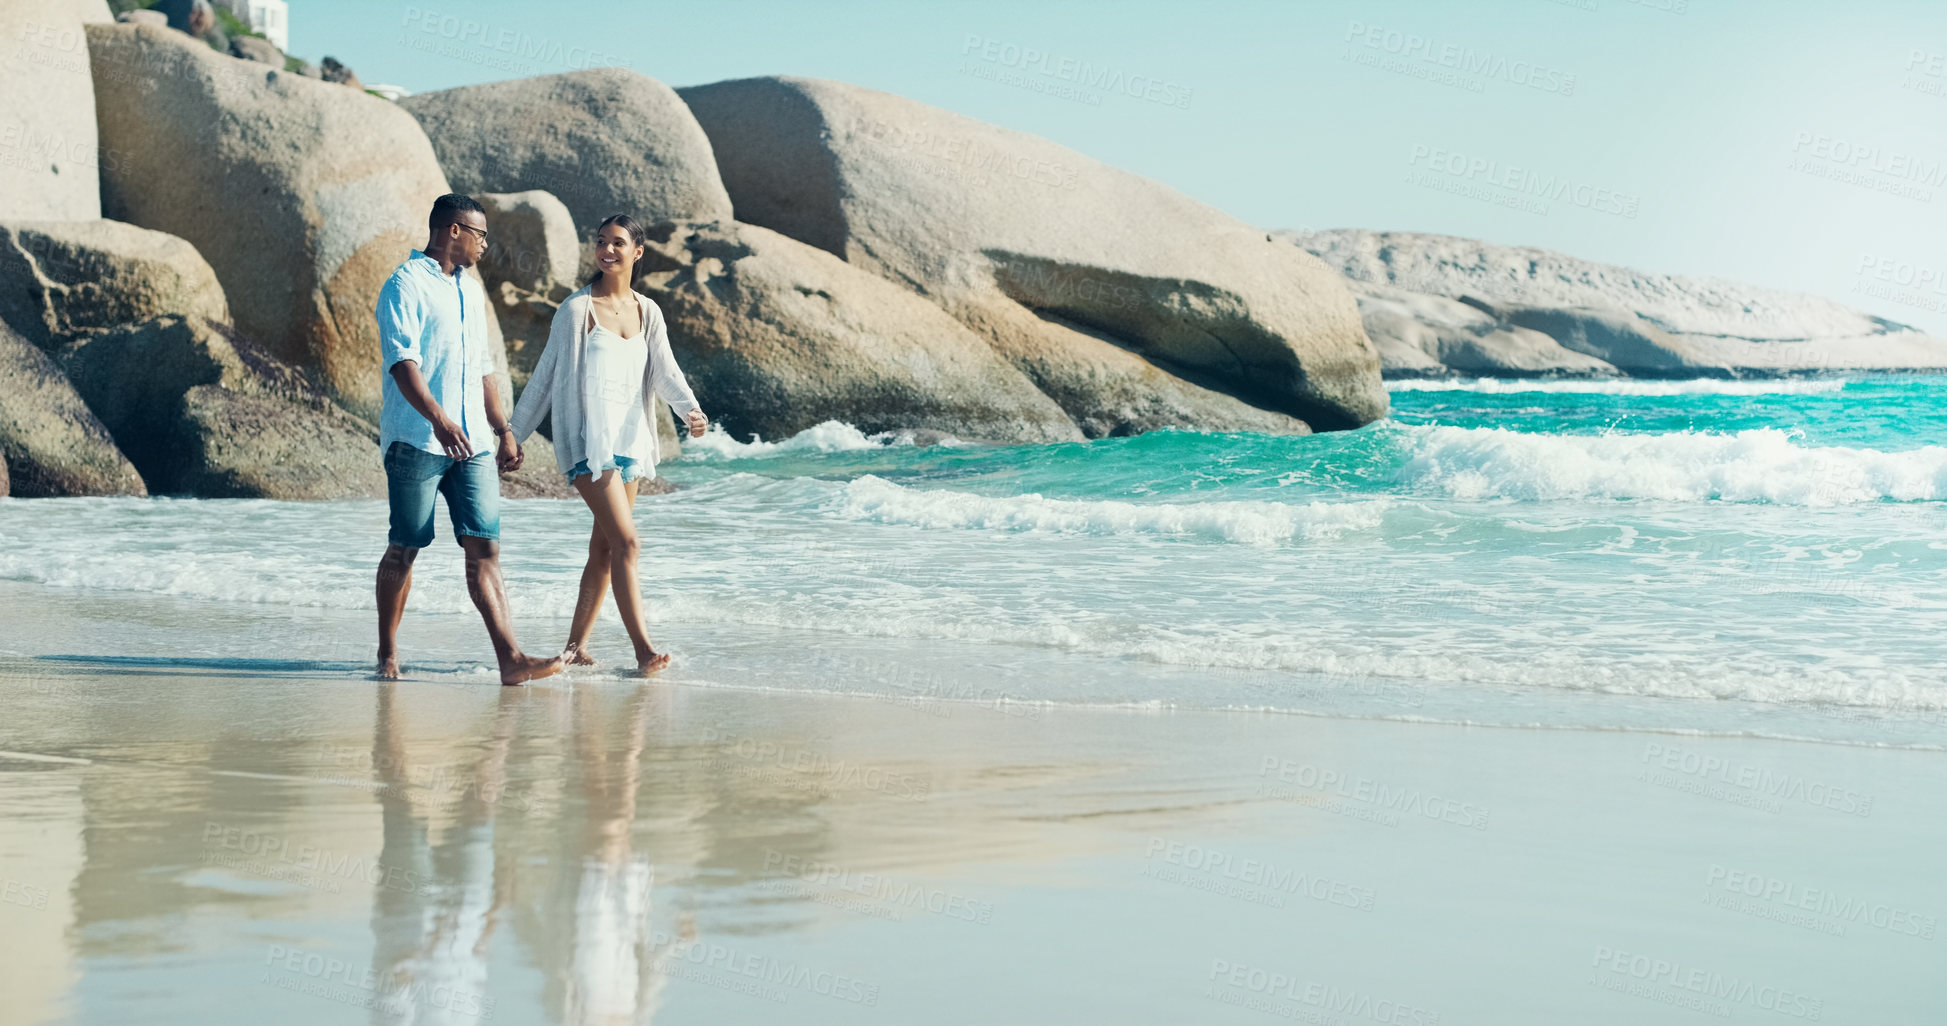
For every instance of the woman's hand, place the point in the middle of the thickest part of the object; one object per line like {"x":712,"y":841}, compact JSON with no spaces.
{"x":697,"y":422}
{"x":510,"y":457}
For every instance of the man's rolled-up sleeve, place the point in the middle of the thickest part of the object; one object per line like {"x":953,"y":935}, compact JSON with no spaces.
{"x":399,"y":325}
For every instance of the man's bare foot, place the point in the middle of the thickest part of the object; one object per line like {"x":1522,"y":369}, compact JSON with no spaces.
{"x":576,"y":655}
{"x":527,"y":668}
{"x":656,"y":663}
{"x":388,"y":668}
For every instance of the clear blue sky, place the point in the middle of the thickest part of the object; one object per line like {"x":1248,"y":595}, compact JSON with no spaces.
{"x":1767,"y":141}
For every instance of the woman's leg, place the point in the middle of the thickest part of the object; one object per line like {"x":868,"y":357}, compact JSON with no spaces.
{"x":613,"y":504}
{"x":594,"y":584}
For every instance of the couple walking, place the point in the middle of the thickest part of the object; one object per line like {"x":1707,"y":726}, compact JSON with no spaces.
{"x":443,"y":429}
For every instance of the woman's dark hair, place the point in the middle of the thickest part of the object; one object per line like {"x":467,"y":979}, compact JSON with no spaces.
{"x":637,"y":233}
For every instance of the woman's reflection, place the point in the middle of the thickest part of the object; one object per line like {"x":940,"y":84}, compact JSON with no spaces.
{"x":579,"y":893}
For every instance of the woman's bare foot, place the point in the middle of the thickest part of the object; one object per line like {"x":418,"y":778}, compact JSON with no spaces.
{"x":388,"y":668}
{"x":576,"y":655}
{"x":526,"y":668}
{"x":657,"y":662}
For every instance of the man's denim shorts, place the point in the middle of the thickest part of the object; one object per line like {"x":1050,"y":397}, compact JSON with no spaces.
{"x":471,"y":487}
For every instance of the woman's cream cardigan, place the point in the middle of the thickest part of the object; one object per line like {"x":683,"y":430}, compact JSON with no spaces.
{"x":557,"y":385}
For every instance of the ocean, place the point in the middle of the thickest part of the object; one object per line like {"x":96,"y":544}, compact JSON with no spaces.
{"x":1720,"y":557}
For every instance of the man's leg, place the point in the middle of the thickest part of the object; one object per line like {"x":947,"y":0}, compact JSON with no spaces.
{"x":472,"y":490}
{"x":395,"y":583}
{"x":411,"y":480}
{"x":489,"y":592}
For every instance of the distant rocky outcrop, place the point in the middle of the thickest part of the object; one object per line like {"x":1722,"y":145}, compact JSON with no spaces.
{"x":302,"y":197}
{"x":602,"y":141}
{"x":60,"y":279}
{"x":53,"y":445}
{"x":51,"y":148}
{"x":336,"y":73}
{"x":776,"y":336}
{"x":1639,"y":322}
{"x":200,"y":410}
{"x":257,"y":48}
{"x":1422,"y":334}
{"x":1131,"y":304}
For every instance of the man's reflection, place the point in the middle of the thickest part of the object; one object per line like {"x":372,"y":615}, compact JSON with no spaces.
{"x":580,"y":893}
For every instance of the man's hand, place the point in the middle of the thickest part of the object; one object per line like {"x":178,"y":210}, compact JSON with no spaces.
{"x":510,"y":452}
{"x":697,"y":422}
{"x":451,"y":440}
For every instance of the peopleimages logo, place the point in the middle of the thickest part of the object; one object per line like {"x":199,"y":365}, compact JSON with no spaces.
{"x":1523,"y":182}
{"x":1410,"y":801}
{"x":1821,"y":902}
{"x":510,"y":42}
{"x":1463,"y":60}
{"x":1702,"y":985}
{"x":1029,"y":60}
{"x":1755,"y":781}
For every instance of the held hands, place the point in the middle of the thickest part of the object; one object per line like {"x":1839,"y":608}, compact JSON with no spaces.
{"x":697,"y":423}
{"x":511,"y":456}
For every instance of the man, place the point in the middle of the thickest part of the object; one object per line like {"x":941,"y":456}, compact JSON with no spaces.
{"x":438,"y":427}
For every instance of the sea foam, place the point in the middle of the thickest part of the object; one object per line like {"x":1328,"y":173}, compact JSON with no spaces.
{"x":1247,"y":522}
{"x":830,"y":436}
{"x":1757,"y":465}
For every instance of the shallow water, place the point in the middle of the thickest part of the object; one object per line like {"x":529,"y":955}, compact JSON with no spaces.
{"x":1714,"y":556}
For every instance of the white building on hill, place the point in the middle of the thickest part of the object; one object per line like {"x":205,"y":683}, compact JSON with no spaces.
{"x":271,"y":18}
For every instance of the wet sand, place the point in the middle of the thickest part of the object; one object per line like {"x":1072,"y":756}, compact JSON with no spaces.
{"x":214,"y":839}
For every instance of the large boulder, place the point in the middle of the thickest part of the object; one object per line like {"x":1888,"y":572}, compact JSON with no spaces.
{"x":48,"y":134}
{"x":603,"y":141}
{"x":304,"y":197}
{"x":529,"y":268}
{"x":989,"y":223}
{"x":776,"y":336}
{"x":1646,"y":323}
{"x":52,"y":443}
{"x":533,"y":241}
{"x":60,"y":279}
{"x":203,"y":411}
{"x":1422,"y":335}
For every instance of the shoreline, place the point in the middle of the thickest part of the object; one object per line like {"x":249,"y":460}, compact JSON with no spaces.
{"x":732,"y":837}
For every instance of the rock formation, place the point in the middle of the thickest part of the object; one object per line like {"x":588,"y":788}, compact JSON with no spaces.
{"x":200,"y":410}
{"x":60,"y":279}
{"x":774,"y":335}
{"x":1099,"y":284}
{"x":603,"y":141}
{"x":1641,"y":323}
{"x":303,"y":197}
{"x":52,"y":444}
{"x":48,"y":135}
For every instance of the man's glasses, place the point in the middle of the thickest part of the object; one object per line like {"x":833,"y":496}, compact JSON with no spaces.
{"x":482,"y":232}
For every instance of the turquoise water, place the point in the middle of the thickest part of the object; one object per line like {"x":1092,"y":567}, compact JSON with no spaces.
{"x":1764,"y":556}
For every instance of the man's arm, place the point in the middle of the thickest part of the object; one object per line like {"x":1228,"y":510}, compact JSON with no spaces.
{"x":510,"y":447}
{"x":412,"y":385}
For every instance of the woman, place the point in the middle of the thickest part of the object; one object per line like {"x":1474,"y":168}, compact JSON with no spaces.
{"x":606,"y":360}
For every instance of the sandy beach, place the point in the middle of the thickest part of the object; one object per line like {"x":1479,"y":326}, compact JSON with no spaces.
{"x":222,"y":839}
